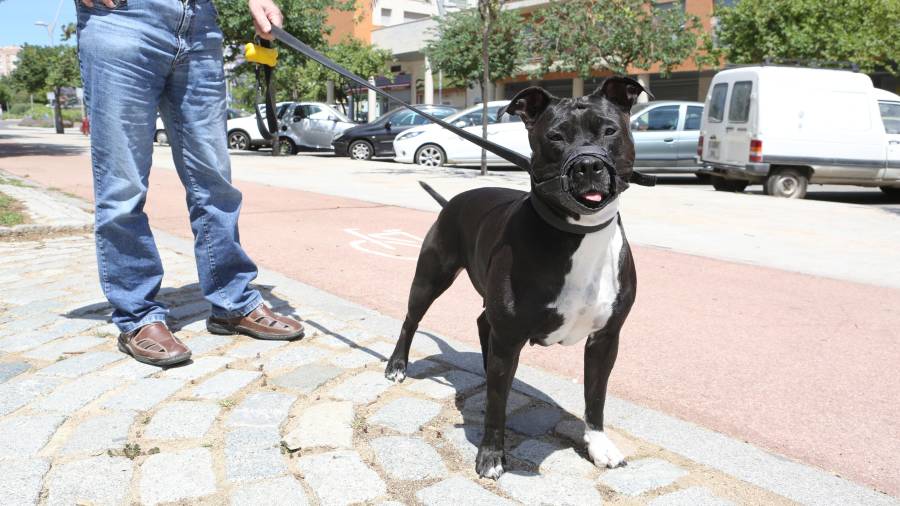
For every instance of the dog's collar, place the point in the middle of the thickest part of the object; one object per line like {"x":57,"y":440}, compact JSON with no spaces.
{"x":560,"y":222}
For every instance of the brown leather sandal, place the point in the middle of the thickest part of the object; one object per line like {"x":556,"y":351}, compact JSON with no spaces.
{"x":154,"y":344}
{"x":261,"y":323}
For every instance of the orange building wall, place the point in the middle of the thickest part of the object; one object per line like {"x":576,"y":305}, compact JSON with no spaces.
{"x":345,"y":23}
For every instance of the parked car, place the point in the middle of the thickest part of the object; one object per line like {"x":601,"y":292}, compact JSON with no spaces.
{"x":362,"y":142}
{"x":311,"y":125}
{"x":243,"y":132}
{"x":162,"y":137}
{"x":665,"y":136}
{"x":787,"y":127}
{"x":433,"y":146}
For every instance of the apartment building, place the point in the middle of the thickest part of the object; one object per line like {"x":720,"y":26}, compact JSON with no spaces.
{"x":8,"y":58}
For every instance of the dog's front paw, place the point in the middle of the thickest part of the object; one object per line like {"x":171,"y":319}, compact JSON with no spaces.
{"x":602,"y":451}
{"x":395,"y":370}
{"x":489,"y":463}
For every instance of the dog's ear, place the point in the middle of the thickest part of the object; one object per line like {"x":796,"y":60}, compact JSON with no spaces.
{"x":528,"y":104}
{"x":620,"y":90}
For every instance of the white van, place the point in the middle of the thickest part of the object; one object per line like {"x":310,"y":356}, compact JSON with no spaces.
{"x":787,"y":127}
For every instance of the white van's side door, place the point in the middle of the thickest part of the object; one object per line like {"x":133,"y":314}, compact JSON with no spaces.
{"x":890,"y":115}
{"x":737,"y":122}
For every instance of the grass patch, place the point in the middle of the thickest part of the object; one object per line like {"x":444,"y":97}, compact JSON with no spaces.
{"x":10,"y":212}
{"x":12,"y":182}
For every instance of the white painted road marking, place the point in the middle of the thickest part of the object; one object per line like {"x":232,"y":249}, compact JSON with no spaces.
{"x":390,"y":243}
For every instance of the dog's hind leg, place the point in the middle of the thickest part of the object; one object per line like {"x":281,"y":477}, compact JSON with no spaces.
{"x":435,"y":273}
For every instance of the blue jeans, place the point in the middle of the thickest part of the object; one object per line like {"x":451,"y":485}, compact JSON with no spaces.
{"x":167,"y":55}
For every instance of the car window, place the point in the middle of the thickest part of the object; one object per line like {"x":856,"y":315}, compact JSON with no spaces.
{"x":739,"y":109}
{"x":474,"y":118}
{"x":692,"y":119}
{"x":717,"y":102}
{"x":657,"y":119}
{"x":890,"y":115}
{"x":405,"y":118}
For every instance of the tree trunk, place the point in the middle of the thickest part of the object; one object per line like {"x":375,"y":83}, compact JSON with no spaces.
{"x":486,"y":81}
{"x":57,"y":113}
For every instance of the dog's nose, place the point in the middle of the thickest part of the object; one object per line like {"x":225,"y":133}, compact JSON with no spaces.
{"x":589,"y":166}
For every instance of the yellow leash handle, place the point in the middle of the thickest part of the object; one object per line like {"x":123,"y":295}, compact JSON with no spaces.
{"x":262,"y":55}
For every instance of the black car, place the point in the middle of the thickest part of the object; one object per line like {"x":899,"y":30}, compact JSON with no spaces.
{"x":377,"y":138}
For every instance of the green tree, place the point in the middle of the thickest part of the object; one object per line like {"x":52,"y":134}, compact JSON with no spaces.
{"x":47,"y":68}
{"x":583,"y":36}
{"x":863,"y":32}
{"x":478,"y":46}
{"x":362,"y":59}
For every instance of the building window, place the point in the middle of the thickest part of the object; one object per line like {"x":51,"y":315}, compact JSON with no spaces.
{"x":386,"y":16}
{"x":413,"y":16}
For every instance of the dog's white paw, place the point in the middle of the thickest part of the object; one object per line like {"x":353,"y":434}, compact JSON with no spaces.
{"x":494,"y":473}
{"x":602,"y":451}
{"x":396,"y":375}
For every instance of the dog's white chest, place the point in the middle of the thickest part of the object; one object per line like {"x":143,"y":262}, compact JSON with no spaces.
{"x":590,"y":287}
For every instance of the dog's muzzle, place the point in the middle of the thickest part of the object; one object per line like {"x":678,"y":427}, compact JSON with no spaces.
{"x":558,"y":189}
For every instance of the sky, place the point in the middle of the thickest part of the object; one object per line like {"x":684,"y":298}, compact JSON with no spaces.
{"x":17,"y":18}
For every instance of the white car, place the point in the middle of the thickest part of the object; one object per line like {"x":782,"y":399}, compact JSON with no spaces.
{"x":243,"y":133}
{"x":432,"y":146}
{"x":161,"y":137}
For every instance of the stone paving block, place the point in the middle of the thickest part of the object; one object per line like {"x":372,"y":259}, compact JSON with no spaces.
{"x":225,"y":384}
{"x":465,"y":440}
{"x":285,"y":491}
{"x":457,"y":490}
{"x":20,"y":481}
{"x":293,"y":356}
{"x":101,"y":433}
{"x":76,"y":394}
{"x":144,"y":394}
{"x":177,"y":476}
{"x":205,"y":343}
{"x":198,"y":326}
{"x":252,"y":349}
{"x":253,"y":453}
{"x":473,"y":408}
{"x":20,"y":391}
{"x":24,"y":436}
{"x":96,"y":481}
{"x":70,"y":326}
{"x":642,"y":476}
{"x":446,"y":384}
{"x":420,"y":368}
{"x":261,"y":409}
{"x":80,"y":364}
{"x":572,"y":429}
{"x":362,"y":388}
{"x":29,"y":323}
{"x":324,"y":424}
{"x":55,"y":349}
{"x":552,"y":459}
{"x":535,"y":421}
{"x":340,"y":478}
{"x":306,"y":378}
{"x":9,"y":370}
{"x":406,"y":414}
{"x":182,"y":420}
{"x":355,"y":358}
{"x":693,"y":496}
{"x":554,"y":489}
{"x":407,"y":458}
{"x":130,"y":369}
{"x":197,"y":368}
{"x":25,"y":341}
{"x":323,"y":324}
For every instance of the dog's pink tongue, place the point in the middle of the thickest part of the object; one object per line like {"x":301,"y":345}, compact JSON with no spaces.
{"x":593,"y":196}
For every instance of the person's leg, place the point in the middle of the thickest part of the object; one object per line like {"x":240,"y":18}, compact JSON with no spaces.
{"x":193,"y":108}
{"x":125,"y":55}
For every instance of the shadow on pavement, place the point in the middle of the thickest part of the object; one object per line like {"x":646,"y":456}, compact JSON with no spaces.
{"x":13,"y":149}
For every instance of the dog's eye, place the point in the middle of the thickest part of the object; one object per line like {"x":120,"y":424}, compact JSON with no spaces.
{"x":609,"y":131}
{"x":555,"y":136}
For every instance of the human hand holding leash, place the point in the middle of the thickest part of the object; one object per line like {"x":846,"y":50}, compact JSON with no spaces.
{"x":265,"y":14}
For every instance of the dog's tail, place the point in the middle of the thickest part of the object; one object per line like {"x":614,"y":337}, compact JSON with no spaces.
{"x":435,"y":195}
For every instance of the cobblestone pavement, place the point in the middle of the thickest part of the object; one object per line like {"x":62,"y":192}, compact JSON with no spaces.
{"x":311,"y":422}
{"x":48,"y":211}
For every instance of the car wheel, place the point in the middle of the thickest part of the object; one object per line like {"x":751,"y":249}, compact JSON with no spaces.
{"x":729,"y":185}
{"x":787,"y":183}
{"x":891,"y":191}
{"x":238,"y":140}
{"x":361,"y":150}
{"x":286,"y":147}
{"x":704,"y":178}
{"x":430,"y":155}
{"x":161,"y":137}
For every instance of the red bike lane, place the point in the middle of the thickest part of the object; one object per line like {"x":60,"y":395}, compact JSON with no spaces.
{"x":800,"y":365}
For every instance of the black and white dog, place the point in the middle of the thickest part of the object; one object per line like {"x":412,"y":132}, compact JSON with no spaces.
{"x":552,"y":265}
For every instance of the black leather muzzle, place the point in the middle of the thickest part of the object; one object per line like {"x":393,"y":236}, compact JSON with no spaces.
{"x":558,"y":189}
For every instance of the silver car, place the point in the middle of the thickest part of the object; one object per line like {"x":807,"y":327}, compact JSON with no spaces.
{"x":665,"y":136}
{"x":310,"y":125}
